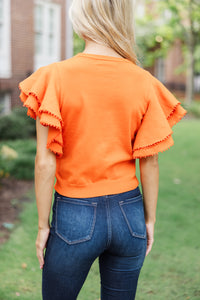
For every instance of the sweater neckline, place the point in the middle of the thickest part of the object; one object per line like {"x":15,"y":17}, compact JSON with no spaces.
{"x":101,"y":57}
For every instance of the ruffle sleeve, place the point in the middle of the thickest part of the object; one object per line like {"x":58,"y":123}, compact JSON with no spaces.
{"x":40,"y":94}
{"x":163,"y":111}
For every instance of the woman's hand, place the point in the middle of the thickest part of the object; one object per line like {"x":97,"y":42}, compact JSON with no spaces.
{"x":41,"y":243}
{"x":150,"y":236}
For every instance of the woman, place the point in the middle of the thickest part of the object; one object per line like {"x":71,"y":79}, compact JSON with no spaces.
{"x":96,"y":113}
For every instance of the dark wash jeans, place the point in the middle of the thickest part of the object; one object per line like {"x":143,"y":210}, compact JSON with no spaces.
{"x":110,"y":227}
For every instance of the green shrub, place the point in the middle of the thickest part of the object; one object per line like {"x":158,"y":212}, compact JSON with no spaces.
{"x":24,"y":146}
{"x":3,"y":168}
{"x":17,"y":125}
{"x":79,"y":44}
{"x":7,"y":154}
{"x":22,"y":167}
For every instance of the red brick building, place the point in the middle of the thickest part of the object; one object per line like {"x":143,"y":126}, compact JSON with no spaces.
{"x":33,"y":33}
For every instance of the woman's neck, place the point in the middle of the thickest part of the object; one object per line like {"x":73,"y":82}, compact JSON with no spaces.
{"x":92,"y":47}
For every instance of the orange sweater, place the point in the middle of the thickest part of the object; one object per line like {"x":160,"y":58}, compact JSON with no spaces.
{"x":103,"y":112}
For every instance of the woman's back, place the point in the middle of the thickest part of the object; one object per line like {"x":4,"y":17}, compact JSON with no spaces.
{"x":96,"y":105}
{"x":101,"y":114}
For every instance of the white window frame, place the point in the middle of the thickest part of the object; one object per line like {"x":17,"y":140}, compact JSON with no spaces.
{"x":5,"y":47}
{"x":69,"y":44}
{"x":5,"y":103}
{"x":140,"y":10}
{"x":197,"y":83}
{"x":44,"y":57}
{"x":160,"y":69}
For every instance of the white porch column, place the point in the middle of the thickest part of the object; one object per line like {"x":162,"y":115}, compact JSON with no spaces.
{"x":69,"y":32}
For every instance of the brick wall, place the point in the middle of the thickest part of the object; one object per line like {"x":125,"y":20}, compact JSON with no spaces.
{"x":63,"y":28}
{"x":22,"y":37}
{"x":173,"y":61}
{"x":22,"y":43}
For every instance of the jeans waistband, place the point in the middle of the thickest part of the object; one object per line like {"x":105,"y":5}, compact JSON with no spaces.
{"x":125,"y":195}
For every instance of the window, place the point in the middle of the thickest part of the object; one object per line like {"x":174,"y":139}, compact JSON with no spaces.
{"x":140,"y":10}
{"x":1,"y":23}
{"x":47,"y":33}
{"x":5,"y":103}
{"x":38,"y":29}
{"x":5,"y":41}
{"x":197,"y":83}
{"x":160,"y":69}
{"x":69,"y":45}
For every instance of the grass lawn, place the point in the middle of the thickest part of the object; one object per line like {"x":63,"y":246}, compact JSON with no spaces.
{"x":171,"y":271}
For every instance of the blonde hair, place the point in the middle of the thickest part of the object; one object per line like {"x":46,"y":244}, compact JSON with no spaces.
{"x":108,"y":22}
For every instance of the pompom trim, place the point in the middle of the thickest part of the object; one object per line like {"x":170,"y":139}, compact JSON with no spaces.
{"x":173,"y":118}
{"x":151,"y":147}
{"x":53,"y":143}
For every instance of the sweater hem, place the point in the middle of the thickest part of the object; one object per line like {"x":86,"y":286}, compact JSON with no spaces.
{"x":102,"y":188}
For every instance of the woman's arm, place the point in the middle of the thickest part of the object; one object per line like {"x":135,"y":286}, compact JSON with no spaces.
{"x":149,"y":175}
{"x":45,"y":168}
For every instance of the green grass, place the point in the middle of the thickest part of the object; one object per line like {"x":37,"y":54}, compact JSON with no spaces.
{"x":194,"y":109}
{"x":171,"y":271}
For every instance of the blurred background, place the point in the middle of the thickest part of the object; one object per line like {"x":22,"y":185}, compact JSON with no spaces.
{"x":34,"y":33}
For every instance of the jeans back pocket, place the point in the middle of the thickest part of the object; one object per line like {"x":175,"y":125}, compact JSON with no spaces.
{"x":133,"y":212}
{"x":75,"y":219}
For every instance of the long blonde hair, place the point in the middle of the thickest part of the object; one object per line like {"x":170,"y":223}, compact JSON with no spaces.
{"x":108,"y":22}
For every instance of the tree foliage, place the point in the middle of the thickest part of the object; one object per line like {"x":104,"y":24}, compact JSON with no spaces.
{"x":79,"y":44}
{"x":153,"y":40}
{"x":165,"y":22}
{"x":185,"y":21}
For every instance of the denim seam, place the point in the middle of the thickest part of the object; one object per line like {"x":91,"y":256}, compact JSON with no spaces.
{"x":84,"y":239}
{"x":134,"y":234}
{"x":123,"y":270}
{"x":108,"y":223}
{"x":77,"y":203}
{"x":117,"y":290}
{"x":131,"y":200}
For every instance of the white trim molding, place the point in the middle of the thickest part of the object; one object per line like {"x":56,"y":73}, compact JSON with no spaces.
{"x":69,"y":32}
{"x":5,"y":103}
{"x":5,"y":39}
{"x":47,"y":27}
